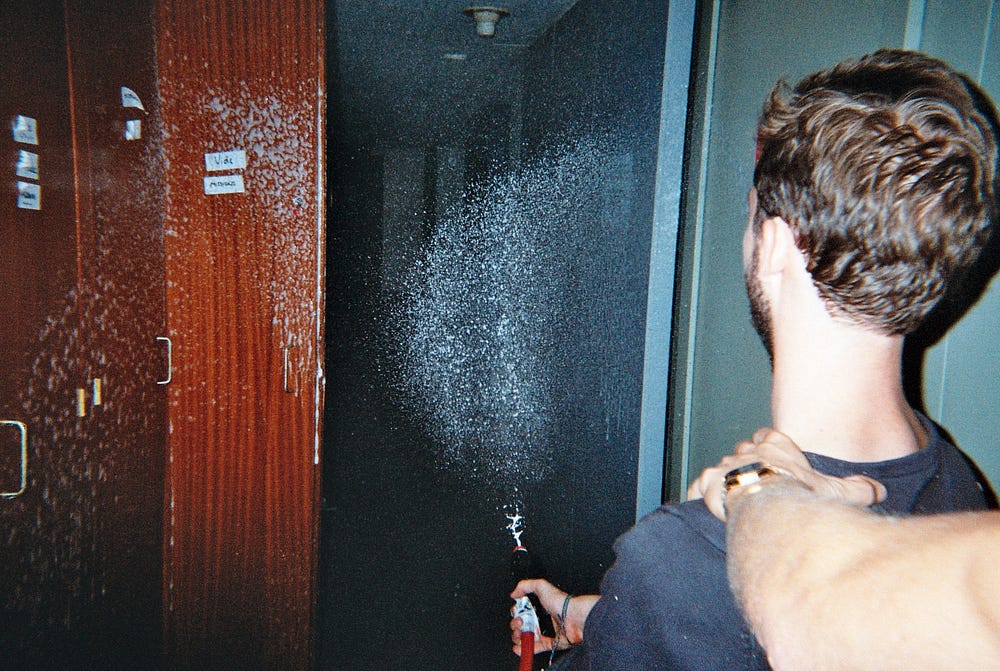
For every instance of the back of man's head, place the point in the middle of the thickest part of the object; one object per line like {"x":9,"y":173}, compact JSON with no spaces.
{"x":886,"y":170}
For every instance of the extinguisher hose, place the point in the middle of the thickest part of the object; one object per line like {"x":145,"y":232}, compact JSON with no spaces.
{"x":529,"y":627}
{"x":527,"y":651}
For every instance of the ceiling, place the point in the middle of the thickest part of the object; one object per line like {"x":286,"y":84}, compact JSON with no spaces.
{"x":408,"y":72}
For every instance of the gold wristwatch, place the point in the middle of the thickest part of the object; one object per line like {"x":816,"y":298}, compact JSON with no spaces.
{"x":749,"y":474}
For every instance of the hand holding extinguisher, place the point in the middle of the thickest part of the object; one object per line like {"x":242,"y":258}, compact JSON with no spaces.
{"x":529,"y":629}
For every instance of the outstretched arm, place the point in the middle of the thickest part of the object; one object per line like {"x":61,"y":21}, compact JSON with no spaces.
{"x":553,"y":600}
{"x":828,"y":585}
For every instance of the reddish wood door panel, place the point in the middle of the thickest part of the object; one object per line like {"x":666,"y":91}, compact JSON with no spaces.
{"x":46,"y":578}
{"x":120,"y":195}
{"x":81,"y":552}
{"x":39,"y":245}
{"x":241,"y":89}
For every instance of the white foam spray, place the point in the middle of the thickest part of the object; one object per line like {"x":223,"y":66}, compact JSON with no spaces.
{"x":479,"y":323}
{"x":516,"y":527}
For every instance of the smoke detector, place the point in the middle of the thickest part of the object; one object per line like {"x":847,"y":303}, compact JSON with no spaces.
{"x":486,"y":19}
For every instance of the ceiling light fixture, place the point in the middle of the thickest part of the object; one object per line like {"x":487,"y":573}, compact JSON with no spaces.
{"x":486,"y":19}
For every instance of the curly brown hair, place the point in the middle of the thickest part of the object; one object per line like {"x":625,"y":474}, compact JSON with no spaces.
{"x":885,"y":167}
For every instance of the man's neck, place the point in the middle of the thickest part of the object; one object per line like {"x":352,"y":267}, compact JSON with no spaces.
{"x":839,"y":393}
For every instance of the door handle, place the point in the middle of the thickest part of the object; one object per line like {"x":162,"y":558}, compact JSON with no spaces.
{"x":170,"y":361}
{"x":24,"y":457}
{"x":284,"y":370}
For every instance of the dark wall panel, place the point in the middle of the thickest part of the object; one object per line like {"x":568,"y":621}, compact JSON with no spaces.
{"x":489,"y":361}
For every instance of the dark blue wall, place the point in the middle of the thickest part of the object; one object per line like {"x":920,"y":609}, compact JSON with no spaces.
{"x":535,"y":403}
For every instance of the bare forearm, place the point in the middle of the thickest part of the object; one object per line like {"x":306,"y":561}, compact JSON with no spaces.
{"x":829,"y":586}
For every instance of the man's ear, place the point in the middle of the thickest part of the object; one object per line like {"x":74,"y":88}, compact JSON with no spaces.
{"x":776,"y":246}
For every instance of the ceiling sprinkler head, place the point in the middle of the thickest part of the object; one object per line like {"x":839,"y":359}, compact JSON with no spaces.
{"x":486,"y":19}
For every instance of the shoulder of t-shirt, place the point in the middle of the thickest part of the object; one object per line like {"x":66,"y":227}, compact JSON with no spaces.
{"x":685,"y":524}
{"x":959,"y":484}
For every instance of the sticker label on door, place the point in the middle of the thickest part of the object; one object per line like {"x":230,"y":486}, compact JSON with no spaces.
{"x":29,"y":196}
{"x":25,"y":129}
{"x":217,"y":184}
{"x":226,"y":160}
{"x":27,"y":164}
{"x":133,"y":129}
{"x":130,"y":99}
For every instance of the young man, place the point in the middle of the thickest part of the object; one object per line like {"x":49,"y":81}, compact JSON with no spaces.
{"x":873,"y":191}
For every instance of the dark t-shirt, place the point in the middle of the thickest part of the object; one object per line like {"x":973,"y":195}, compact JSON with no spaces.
{"x":665,"y":602}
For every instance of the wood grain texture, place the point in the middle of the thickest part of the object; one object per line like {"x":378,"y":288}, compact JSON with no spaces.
{"x":44,"y":547}
{"x":244,"y":274}
{"x":122,"y":311}
{"x":83,"y":296}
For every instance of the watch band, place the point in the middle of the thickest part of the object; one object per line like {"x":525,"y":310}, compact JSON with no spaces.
{"x":747,"y":475}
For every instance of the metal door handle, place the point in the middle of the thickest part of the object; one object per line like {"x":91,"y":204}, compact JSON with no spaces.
{"x":284,"y":371}
{"x":170,"y":361}
{"x":24,"y":457}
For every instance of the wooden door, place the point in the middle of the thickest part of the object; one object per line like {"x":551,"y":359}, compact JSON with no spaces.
{"x":241,"y":88}
{"x":122,"y":363}
{"x":83,"y":417}
{"x":45,"y":574}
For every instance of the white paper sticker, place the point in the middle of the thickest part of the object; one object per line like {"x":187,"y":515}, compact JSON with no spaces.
{"x":133,"y":129}
{"x":29,"y":196}
{"x":27,"y":164}
{"x":25,"y":129}
{"x":130,"y":99}
{"x":226,"y":160}
{"x":216,"y":184}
